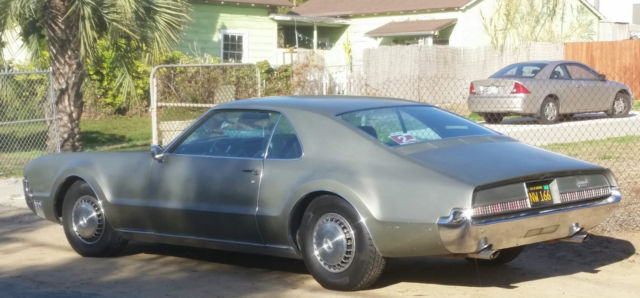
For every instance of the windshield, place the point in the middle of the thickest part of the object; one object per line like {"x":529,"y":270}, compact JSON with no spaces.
{"x":520,"y":70}
{"x":405,"y":125}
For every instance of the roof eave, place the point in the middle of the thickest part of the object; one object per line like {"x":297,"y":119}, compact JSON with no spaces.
{"x":419,"y":33}
{"x":309,"y":19}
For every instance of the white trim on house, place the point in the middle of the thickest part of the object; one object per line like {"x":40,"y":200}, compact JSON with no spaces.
{"x":245,"y":43}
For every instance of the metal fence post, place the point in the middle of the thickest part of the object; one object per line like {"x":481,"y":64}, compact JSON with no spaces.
{"x":54,"y":109}
{"x":153,"y":106}
{"x":258,"y":80}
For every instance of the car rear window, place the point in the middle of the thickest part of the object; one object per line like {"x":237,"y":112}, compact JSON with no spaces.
{"x":521,"y":70}
{"x":395,"y":126}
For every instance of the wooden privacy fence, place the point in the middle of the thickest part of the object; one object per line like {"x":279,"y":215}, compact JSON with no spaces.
{"x":619,"y":60}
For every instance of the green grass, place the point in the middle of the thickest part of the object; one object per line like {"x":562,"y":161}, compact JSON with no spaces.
{"x":116,"y":134}
{"x":636,"y":105}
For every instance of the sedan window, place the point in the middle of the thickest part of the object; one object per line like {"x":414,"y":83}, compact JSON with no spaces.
{"x":521,"y":70}
{"x":230,"y":134}
{"x":560,"y":73}
{"x":412,"y":124}
{"x":579,"y":72}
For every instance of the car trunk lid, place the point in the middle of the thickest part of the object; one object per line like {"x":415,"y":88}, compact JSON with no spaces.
{"x":491,"y":159}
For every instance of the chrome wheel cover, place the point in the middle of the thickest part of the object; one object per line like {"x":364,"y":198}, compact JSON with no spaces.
{"x":334,"y":242}
{"x":551,"y":111}
{"x":87,"y":219}
{"x":619,"y":105}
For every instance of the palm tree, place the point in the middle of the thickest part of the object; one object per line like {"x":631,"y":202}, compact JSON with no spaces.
{"x":70,"y":30}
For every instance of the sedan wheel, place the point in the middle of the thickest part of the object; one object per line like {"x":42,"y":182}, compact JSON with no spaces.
{"x":620,"y":106}
{"x":493,"y":117}
{"x":337,"y":248}
{"x":549,"y":111}
{"x":86,"y":225}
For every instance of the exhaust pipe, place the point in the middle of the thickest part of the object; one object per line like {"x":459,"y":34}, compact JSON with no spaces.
{"x":485,"y":254}
{"x":577,"y":237}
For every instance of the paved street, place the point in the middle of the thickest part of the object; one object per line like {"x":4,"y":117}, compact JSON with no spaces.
{"x":582,"y":127}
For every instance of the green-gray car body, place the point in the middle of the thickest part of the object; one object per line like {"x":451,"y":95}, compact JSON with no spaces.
{"x":243,"y":176}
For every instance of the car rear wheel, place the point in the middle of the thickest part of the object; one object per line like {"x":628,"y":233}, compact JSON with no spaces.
{"x":493,"y":117}
{"x":337,"y":248}
{"x":620,"y":106}
{"x":549,"y":111}
{"x":86,"y":225}
{"x":504,"y":256}
{"x":566,"y":117}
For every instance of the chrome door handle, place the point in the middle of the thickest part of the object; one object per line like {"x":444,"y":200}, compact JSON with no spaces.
{"x":254,"y":172}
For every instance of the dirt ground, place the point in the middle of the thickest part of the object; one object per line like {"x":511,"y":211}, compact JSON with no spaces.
{"x":37,"y":261}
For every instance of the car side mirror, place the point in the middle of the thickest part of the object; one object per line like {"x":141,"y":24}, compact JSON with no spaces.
{"x":602,"y":77}
{"x":157,"y":152}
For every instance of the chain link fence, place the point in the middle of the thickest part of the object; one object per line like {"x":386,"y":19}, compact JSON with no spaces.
{"x":181,"y":93}
{"x":28,"y":126}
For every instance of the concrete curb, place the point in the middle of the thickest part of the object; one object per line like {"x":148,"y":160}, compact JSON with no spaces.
{"x":11,"y":193}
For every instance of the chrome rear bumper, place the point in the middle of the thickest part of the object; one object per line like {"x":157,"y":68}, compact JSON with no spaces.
{"x":462,"y":234}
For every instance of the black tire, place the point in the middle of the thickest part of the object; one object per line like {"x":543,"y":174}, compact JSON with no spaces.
{"x":89,"y":233}
{"x":621,"y":105}
{"x":549,"y":111}
{"x":566,"y":117}
{"x":504,"y":256}
{"x":493,"y":117}
{"x":352,"y":265}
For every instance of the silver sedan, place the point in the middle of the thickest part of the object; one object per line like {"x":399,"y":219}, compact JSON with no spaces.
{"x":549,"y":91}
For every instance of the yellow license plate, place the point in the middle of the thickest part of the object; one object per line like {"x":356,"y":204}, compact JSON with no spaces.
{"x":539,"y":193}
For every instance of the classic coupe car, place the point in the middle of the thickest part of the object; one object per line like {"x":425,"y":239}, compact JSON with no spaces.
{"x":343,"y":183}
{"x":549,"y":91}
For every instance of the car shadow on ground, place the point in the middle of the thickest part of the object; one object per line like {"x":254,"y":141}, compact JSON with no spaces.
{"x":525,"y":120}
{"x":537,"y":261}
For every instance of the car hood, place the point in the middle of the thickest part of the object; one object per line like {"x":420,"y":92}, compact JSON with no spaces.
{"x":490,"y":159}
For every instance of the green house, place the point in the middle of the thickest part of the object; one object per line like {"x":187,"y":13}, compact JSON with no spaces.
{"x":238,"y":31}
{"x":248,"y":31}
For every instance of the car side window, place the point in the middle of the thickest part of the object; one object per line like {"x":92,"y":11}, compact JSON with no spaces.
{"x":230,"y":134}
{"x":579,"y":72}
{"x":559,"y":73}
{"x":284,"y":143}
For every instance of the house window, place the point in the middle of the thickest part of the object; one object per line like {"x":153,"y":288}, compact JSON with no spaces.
{"x":233,"y":47}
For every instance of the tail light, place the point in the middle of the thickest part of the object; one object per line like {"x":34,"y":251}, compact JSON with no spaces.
{"x":472,"y":90}
{"x":519,"y":89}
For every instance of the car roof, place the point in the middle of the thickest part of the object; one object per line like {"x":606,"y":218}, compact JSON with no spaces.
{"x":328,"y":105}
{"x":548,"y":62}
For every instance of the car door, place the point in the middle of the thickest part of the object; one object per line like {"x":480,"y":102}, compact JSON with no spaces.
{"x":206,"y":185}
{"x":590,"y":94}
{"x":565,"y":88}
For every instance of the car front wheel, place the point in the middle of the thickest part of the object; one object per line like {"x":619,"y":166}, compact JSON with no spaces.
{"x":337,"y":248}
{"x":86,"y":225}
{"x":620,"y":106}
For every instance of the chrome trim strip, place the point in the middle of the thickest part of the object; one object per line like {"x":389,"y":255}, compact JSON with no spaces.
{"x":202,"y":239}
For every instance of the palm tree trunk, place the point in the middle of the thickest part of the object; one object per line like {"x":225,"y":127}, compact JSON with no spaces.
{"x":68,"y":73}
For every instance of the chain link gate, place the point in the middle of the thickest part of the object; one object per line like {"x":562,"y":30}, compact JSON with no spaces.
{"x":181,"y":93}
{"x":28,"y":120}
